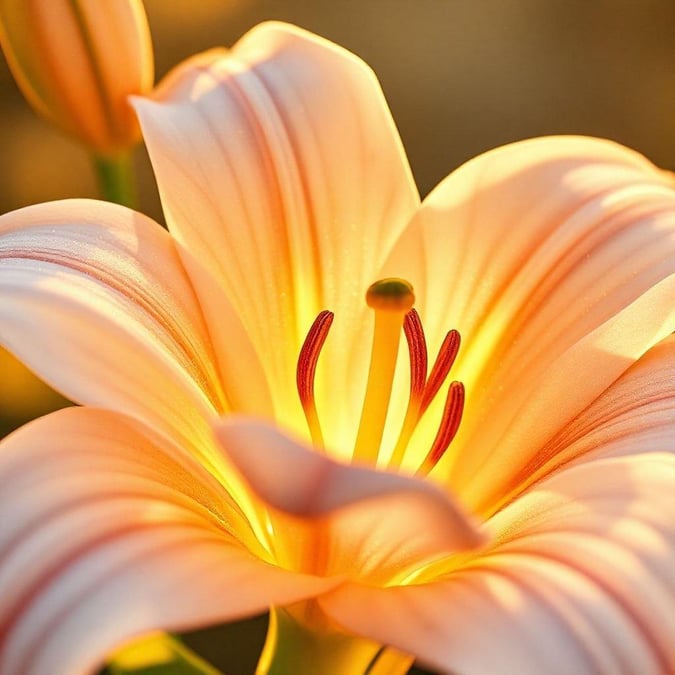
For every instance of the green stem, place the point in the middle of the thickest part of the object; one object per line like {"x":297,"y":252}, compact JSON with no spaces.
{"x":302,"y":641}
{"x":160,"y":654}
{"x":116,"y":178}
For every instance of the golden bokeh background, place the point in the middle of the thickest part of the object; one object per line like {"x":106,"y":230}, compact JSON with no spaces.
{"x":461,"y":76}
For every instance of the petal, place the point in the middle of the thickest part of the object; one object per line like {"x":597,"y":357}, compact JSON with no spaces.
{"x":635,"y":415}
{"x":113,"y":534}
{"x":281,"y":171}
{"x":551,"y":257}
{"x":345,"y":519}
{"x":93,"y":297}
{"x":580,"y":580}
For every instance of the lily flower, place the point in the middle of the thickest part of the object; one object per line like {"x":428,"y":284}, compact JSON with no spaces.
{"x":279,"y":412}
{"x":77,"y":62}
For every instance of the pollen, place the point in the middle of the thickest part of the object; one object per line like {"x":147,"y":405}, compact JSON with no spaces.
{"x":392,"y":300}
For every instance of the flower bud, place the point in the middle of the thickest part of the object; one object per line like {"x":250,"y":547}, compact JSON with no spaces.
{"x":77,"y":62}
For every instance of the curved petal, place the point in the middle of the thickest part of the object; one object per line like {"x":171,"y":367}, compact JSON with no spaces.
{"x":635,"y":415}
{"x":552,"y":258}
{"x":113,"y":534}
{"x":345,"y":519}
{"x":281,"y":171}
{"x":93,"y":297}
{"x":580,"y":580}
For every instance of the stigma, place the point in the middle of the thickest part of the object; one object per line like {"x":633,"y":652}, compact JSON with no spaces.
{"x":390,"y":295}
{"x":392,"y":301}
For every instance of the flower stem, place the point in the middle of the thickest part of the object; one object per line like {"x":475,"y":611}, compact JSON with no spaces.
{"x":158,"y":653}
{"x":302,"y":641}
{"x":116,"y":178}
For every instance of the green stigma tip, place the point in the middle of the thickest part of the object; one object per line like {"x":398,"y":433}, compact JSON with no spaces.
{"x":392,"y":294}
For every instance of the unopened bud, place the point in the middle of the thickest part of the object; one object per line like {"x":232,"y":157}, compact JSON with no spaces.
{"x":78,"y":61}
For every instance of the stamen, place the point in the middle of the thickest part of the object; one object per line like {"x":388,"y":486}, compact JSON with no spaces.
{"x":417,"y":350}
{"x":452,"y":417}
{"x":439,"y":371}
{"x":306,"y":371}
{"x":391,"y":299}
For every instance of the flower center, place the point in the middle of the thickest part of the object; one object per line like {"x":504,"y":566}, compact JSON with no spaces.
{"x":392,"y":301}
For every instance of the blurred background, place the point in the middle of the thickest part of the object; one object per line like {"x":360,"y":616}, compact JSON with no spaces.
{"x":461,"y":76}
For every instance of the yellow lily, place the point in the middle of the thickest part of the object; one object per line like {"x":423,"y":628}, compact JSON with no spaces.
{"x":77,"y":61}
{"x":258,"y":435}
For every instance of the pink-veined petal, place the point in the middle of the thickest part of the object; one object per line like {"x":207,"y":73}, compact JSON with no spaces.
{"x":107,"y":533}
{"x":579,"y":580}
{"x":345,"y":519}
{"x":635,"y":415}
{"x":281,"y":172}
{"x":94,"y":298}
{"x":554,"y":258}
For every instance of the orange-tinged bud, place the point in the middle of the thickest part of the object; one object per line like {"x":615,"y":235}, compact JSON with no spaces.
{"x":78,"y":61}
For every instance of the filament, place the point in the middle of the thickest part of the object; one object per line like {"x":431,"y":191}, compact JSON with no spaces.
{"x":392,"y":303}
{"x":390,"y":299}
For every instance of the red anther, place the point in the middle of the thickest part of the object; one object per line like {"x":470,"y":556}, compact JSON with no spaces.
{"x":452,"y":417}
{"x":309,"y":356}
{"x":446,"y":357}
{"x":423,"y":389}
{"x":417,"y":348}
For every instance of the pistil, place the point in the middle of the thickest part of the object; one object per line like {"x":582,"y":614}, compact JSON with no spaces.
{"x":392,"y":302}
{"x":391,"y":299}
